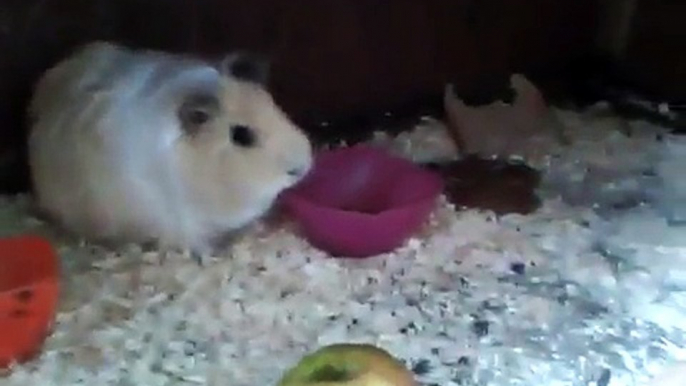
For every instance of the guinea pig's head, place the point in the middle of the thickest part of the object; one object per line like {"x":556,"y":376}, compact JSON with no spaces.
{"x":238,"y":150}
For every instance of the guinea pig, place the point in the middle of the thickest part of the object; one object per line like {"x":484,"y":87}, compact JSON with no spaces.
{"x":131,"y":145}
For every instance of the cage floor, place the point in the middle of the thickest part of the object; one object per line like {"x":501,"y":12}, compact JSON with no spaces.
{"x":588,"y":290}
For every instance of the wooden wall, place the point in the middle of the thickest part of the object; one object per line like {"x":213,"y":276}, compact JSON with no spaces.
{"x":656,"y":49}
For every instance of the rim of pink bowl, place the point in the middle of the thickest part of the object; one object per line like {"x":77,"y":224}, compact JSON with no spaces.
{"x":292,"y":198}
{"x":293,"y":193}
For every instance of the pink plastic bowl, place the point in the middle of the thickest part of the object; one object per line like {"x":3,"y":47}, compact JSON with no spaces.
{"x":362,"y":201}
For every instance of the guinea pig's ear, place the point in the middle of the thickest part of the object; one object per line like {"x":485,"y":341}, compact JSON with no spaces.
{"x":196,"y":109}
{"x":246,"y":66}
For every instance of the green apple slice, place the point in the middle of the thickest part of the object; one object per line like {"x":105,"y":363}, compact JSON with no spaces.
{"x":348,"y":364}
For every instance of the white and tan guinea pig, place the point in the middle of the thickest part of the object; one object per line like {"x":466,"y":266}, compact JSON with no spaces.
{"x":143,"y":146}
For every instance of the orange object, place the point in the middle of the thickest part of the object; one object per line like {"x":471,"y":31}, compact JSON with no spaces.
{"x":29,"y":291}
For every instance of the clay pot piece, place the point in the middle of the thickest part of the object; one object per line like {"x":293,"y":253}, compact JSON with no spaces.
{"x":488,"y":137}
{"x":499,"y":130}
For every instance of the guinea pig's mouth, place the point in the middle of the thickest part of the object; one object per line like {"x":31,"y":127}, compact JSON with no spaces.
{"x":298,"y":166}
{"x":298,"y":173}
{"x":294,"y":178}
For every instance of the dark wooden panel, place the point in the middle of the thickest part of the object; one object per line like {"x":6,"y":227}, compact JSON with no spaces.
{"x":656,"y":54}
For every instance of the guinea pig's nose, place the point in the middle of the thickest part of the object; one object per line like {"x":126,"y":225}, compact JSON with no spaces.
{"x":298,"y":161}
{"x":298,"y":172}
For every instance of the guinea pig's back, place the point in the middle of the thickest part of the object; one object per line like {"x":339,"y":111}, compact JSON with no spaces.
{"x":103,"y":81}
{"x":64,"y":87}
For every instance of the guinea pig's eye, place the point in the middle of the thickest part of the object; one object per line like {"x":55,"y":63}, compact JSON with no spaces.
{"x":242,"y":135}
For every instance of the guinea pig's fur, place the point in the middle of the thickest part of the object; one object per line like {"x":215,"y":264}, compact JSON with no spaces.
{"x":139,"y":146}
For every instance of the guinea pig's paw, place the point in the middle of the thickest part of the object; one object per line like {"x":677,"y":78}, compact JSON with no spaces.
{"x":201,"y":249}
{"x":199,"y":258}
{"x":199,"y":253}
